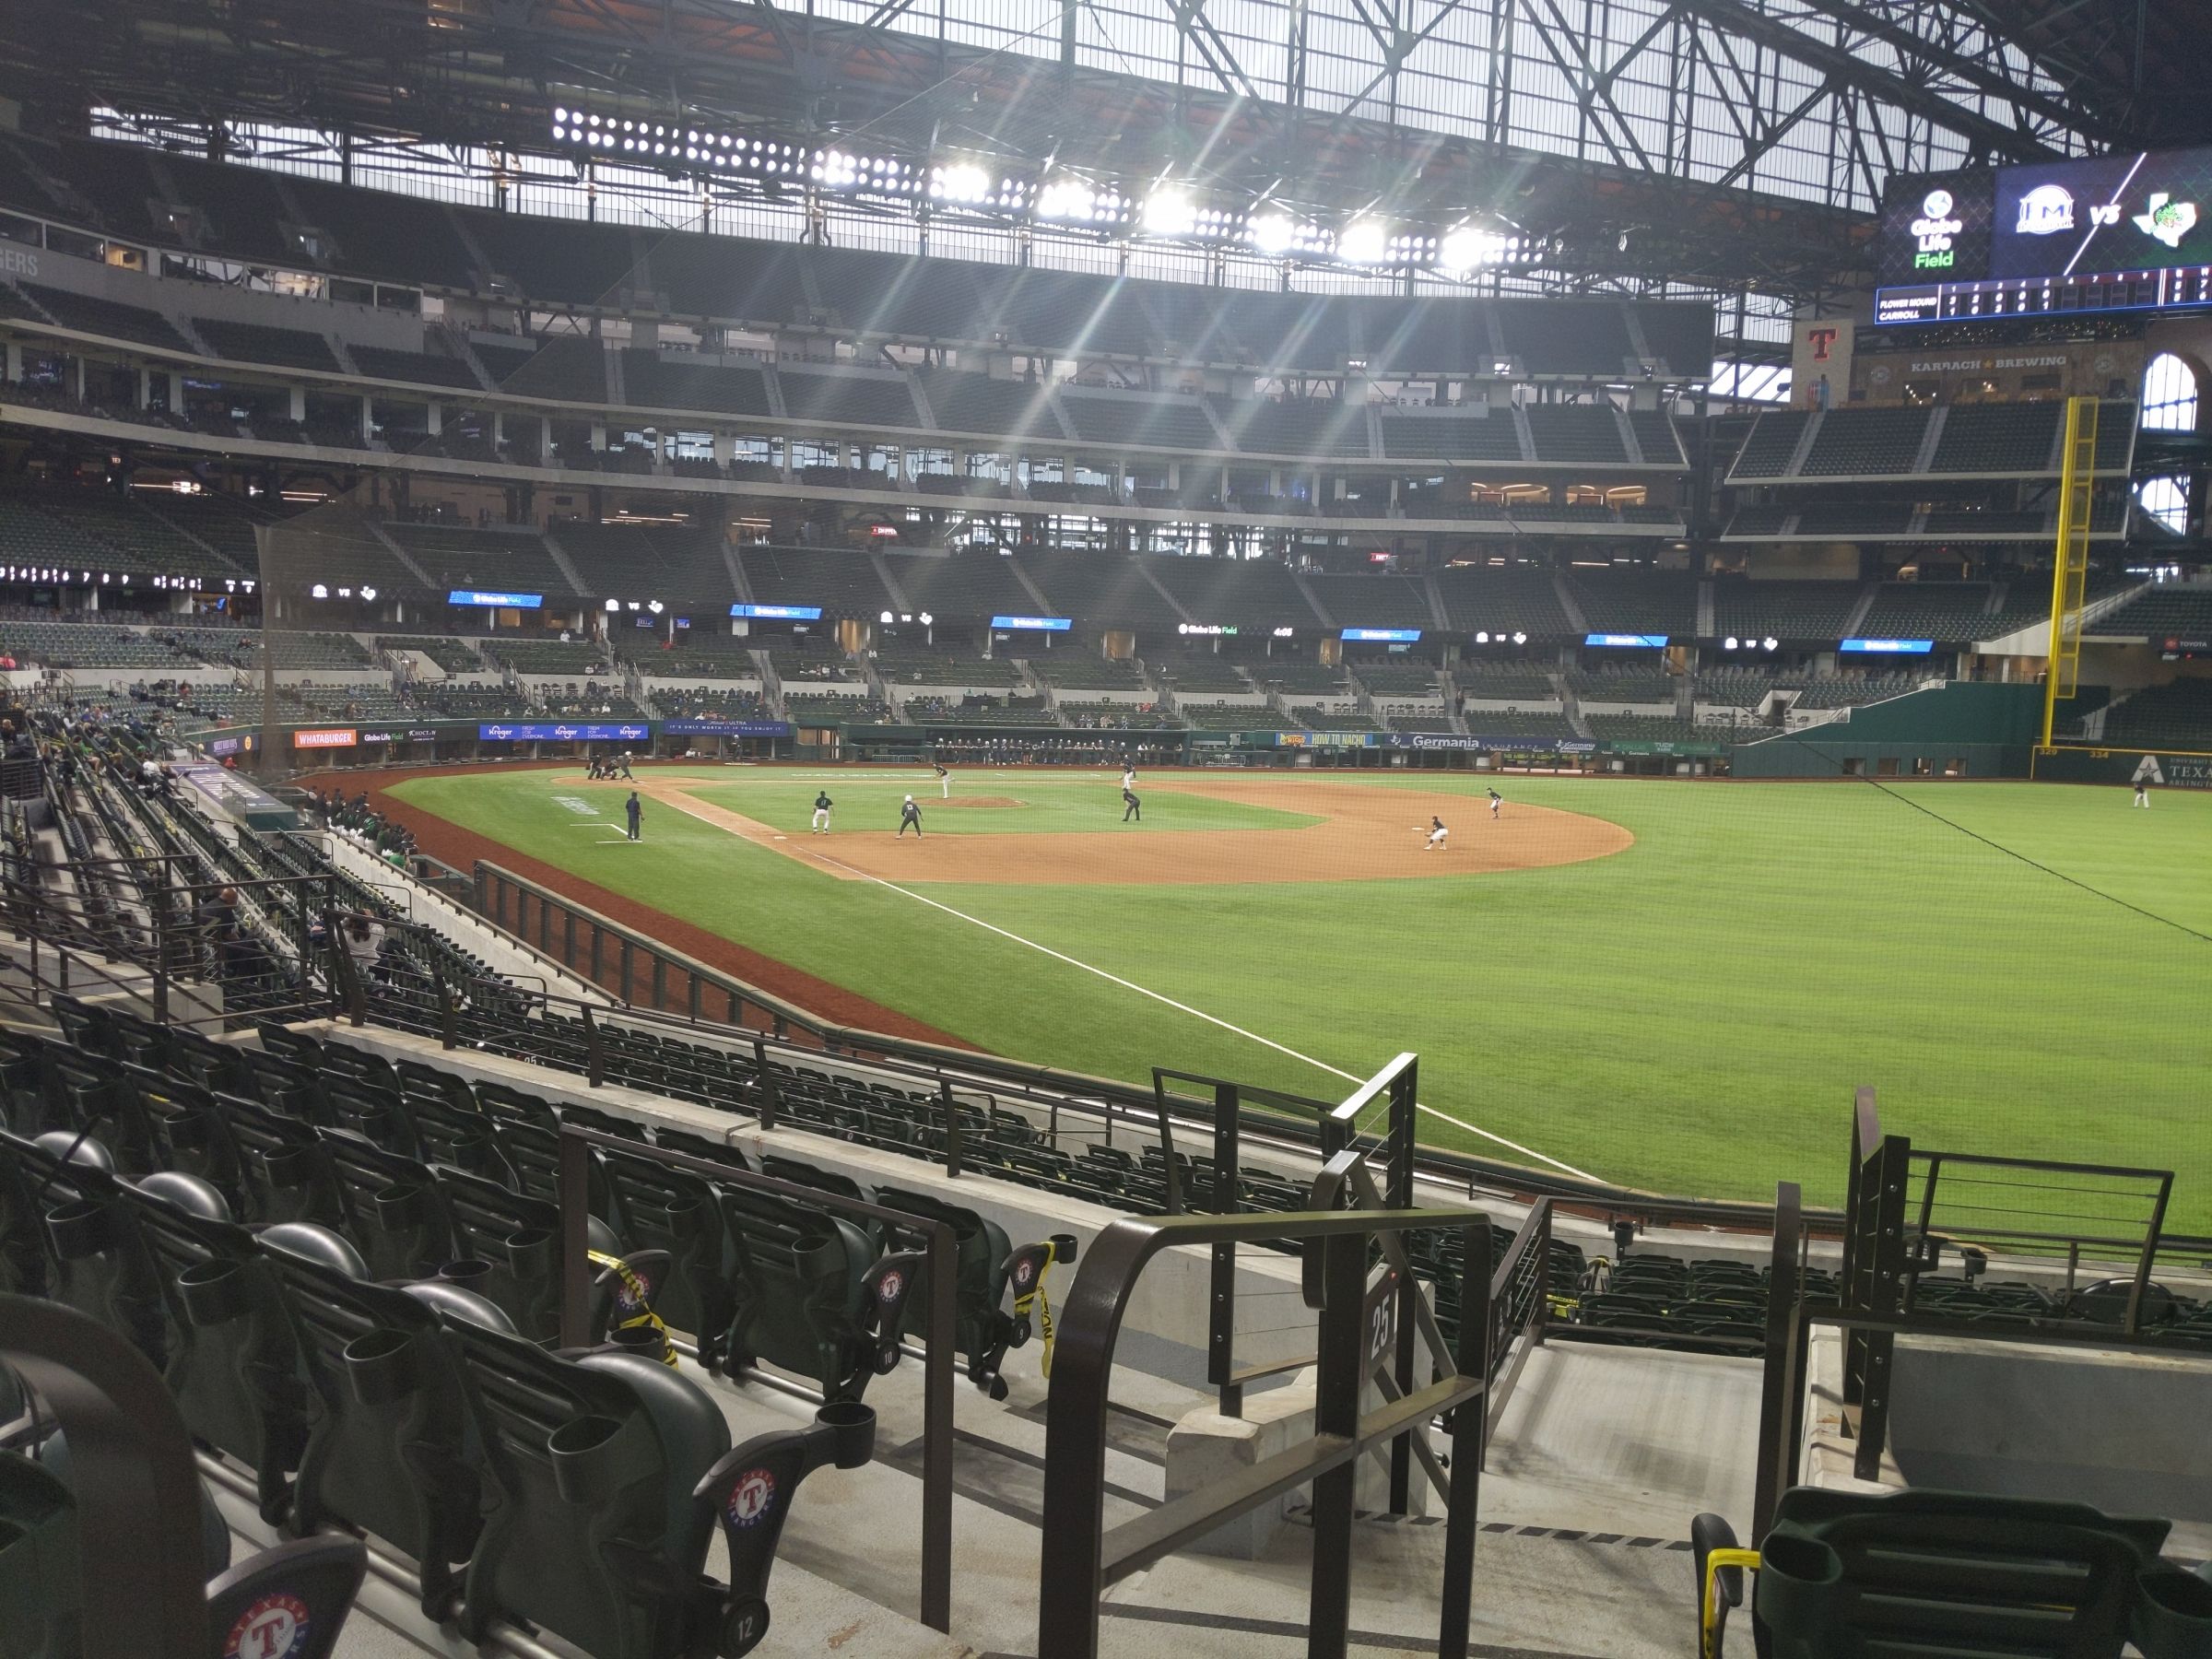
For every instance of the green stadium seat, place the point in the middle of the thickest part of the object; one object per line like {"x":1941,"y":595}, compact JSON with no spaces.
{"x":391,"y":1441}
{"x":1927,"y":1573}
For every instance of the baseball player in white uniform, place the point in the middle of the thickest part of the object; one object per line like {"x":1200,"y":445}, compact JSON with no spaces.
{"x":1436,"y":834}
{"x":1497,"y":801}
{"x":944,"y":779}
{"x":1129,"y":778}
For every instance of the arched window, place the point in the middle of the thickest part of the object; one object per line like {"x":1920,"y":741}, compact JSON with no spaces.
{"x":2169,"y":406}
{"x":2169,"y":395}
{"x":2166,"y":502}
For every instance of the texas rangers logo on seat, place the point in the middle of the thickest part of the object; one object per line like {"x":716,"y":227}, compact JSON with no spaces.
{"x":274,"y":1627}
{"x":752,"y":1497}
{"x":889,"y":1286}
{"x":1024,"y":1271}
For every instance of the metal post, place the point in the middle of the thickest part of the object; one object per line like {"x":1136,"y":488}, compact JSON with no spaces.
{"x":574,"y":1192}
{"x":766,"y":1082}
{"x":937,"y":1432}
{"x":1779,"y":1380}
{"x":952,"y":1129}
{"x":1470,"y":1430}
{"x":1341,"y":1365}
{"x":1398,"y":1195}
{"x":2150,"y":1245}
{"x":594,"y":1051}
{"x":1221,"y":1315}
{"x":449,"y":1011}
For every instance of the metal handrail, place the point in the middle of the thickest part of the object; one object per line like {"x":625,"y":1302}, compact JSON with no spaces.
{"x":941,"y":1249}
{"x":1081,"y":1557}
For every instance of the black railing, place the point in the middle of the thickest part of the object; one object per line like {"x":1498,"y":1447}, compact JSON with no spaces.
{"x":1081,"y":1557}
{"x":1897,"y":1228}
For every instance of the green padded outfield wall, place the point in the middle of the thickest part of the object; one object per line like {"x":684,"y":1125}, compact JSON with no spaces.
{"x":1991,"y":728}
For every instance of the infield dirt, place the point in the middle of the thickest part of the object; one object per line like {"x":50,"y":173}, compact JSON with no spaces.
{"x":1365,"y":834}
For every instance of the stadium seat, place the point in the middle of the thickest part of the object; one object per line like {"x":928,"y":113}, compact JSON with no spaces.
{"x":985,"y":1267}
{"x":591,"y":1527}
{"x":392,"y":1441}
{"x":1849,"y":1573}
{"x":812,"y":1294}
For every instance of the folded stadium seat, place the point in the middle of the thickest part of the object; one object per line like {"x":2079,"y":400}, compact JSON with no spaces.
{"x":395,"y":1211}
{"x":286,"y":1086}
{"x":285,"y":1172}
{"x":199,"y":1137}
{"x":419,"y":1080}
{"x":1848,"y":1573}
{"x":509,"y":1250}
{"x":89,"y":1255}
{"x":290,"y":1044}
{"x":233,"y":1361}
{"x":84,"y":1097}
{"x":608,"y":1473}
{"x":986,"y":1267}
{"x":393,"y":1446}
{"x":829,"y":1180}
{"x":673,"y":1211}
{"x":461,"y":1136}
{"x":501,"y":1100}
{"x":377,"y":1117}
{"x":532,"y":1152}
{"x":813,"y":1295}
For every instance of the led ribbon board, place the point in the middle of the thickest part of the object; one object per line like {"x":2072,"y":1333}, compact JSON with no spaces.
{"x":2127,"y":231}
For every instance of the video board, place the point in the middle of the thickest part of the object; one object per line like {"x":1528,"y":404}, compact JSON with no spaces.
{"x":2128,"y":231}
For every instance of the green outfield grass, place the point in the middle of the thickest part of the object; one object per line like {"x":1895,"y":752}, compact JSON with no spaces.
{"x":1044,"y":804}
{"x":1690,"y":1015}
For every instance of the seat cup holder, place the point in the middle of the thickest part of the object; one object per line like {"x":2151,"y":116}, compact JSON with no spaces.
{"x":470,"y":1271}
{"x":592,"y":1458}
{"x":399,"y":1207}
{"x":382,"y":1365}
{"x":2172,"y":1612}
{"x":648,"y":1342}
{"x":853,"y":1427}
{"x":81,"y":1228}
{"x":530,"y":1252}
{"x":818,"y":1258}
{"x":213,"y":1292}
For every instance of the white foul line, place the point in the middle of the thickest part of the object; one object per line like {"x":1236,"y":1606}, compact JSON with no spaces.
{"x":1186,"y":1009}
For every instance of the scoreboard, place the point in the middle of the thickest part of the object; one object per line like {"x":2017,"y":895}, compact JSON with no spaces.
{"x":2129,"y":231}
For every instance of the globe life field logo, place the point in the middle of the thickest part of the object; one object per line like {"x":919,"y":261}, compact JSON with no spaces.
{"x":1934,"y":230}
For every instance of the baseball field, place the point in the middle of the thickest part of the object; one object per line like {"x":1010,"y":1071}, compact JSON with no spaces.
{"x":1671,"y":984}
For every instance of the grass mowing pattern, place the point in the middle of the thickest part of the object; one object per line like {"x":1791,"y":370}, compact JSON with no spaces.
{"x":1689,"y":1015}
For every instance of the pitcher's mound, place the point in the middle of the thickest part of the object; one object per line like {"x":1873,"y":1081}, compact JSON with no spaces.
{"x":976,"y":801}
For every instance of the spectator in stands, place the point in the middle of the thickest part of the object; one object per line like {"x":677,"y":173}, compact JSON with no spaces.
{"x":364,"y":940}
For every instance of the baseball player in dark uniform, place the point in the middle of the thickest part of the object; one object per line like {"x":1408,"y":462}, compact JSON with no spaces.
{"x":910,"y":814}
{"x":636,"y":808}
{"x":821,"y":813}
{"x":1131,"y":806}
